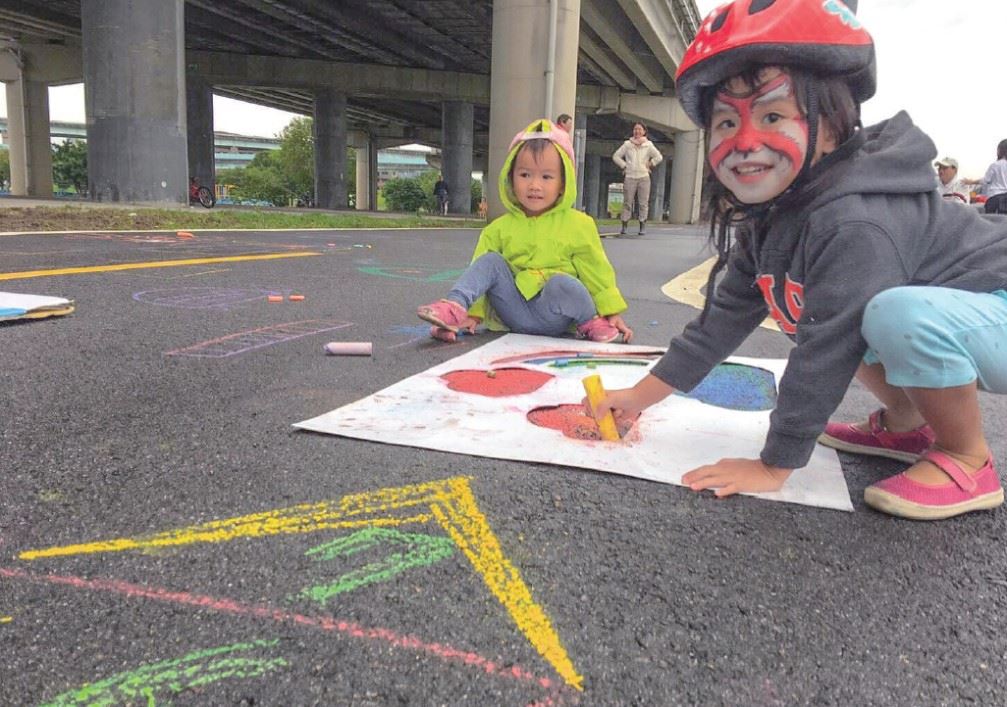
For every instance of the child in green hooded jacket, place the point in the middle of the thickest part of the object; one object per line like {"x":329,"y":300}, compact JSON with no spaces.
{"x":540,"y":268}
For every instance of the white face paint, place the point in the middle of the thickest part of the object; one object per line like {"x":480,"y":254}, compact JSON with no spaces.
{"x":758,"y":137}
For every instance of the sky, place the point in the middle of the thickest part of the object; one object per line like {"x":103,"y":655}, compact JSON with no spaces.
{"x":932,"y":57}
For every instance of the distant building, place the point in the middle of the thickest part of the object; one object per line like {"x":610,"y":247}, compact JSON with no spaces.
{"x":232,"y":150}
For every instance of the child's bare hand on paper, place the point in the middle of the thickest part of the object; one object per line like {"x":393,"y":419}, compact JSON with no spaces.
{"x":731,"y":476}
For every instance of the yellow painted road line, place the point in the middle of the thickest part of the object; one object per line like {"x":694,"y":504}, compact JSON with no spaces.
{"x":687,"y":288}
{"x":6,"y":619}
{"x":149,"y":264}
{"x":450,"y":502}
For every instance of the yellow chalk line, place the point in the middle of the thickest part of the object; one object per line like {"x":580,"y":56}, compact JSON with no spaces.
{"x":687,"y":288}
{"x":6,"y":619}
{"x":450,"y":502}
{"x":149,"y":264}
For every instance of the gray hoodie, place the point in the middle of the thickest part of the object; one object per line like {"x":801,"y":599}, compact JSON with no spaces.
{"x":867,"y":219}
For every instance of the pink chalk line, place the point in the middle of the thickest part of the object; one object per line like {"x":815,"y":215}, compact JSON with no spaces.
{"x":325,"y":623}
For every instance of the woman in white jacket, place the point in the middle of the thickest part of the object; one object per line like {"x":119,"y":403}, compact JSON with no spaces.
{"x":636,"y":157}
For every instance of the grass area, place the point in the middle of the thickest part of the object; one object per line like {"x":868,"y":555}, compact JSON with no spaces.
{"x":78,"y":218}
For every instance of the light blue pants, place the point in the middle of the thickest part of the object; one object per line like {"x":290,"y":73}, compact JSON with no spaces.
{"x":937,"y":337}
{"x":563,"y":301}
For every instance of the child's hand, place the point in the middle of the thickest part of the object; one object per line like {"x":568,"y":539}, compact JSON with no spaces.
{"x":627,"y":403}
{"x":617,"y":321}
{"x":470,"y":324}
{"x":731,"y":476}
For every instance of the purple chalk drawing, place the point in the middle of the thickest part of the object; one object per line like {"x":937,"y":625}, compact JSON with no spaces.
{"x":201,"y":297}
{"x":234,"y":344}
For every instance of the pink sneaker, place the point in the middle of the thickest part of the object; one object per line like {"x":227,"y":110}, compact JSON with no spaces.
{"x":901,"y":496}
{"x":444,"y":314}
{"x":598,"y":329}
{"x":879,"y":442}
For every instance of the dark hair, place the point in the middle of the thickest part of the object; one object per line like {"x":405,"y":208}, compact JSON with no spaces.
{"x":563,"y":117}
{"x":641,"y":125}
{"x":1002,"y":150}
{"x":536,"y":147}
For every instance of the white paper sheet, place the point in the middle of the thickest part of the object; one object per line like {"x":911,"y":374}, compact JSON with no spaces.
{"x":669,"y":439}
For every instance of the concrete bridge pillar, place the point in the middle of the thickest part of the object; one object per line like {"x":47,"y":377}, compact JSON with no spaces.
{"x":363,"y":176}
{"x":199,"y":129}
{"x":457,"y":131}
{"x":579,"y":146}
{"x":28,"y":138}
{"x":592,"y":184}
{"x":367,"y":174}
{"x":686,"y":177}
{"x":603,"y":185}
{"x":330,"y":149}
{"x":520,"y":78}
{"x":134,"y":57}
{"x":658,"y":188}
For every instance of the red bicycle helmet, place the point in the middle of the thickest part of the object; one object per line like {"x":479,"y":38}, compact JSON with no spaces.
{"x":823,"y":36}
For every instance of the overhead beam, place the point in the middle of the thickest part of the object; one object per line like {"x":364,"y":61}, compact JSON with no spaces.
{"x":617,"y":35}
{"x":599,"y":56}
{"x":662,"y":112}
{"x":661,"y":29}
{"x":373,"y":80}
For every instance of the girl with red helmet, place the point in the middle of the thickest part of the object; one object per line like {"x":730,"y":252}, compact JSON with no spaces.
{"x":840,"y":234}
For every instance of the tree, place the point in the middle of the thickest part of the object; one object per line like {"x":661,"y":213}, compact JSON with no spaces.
{"x":296,"y":158}
{"x":404,"y":195}
{"x":4,"y":167}
{"x":69,"y":165}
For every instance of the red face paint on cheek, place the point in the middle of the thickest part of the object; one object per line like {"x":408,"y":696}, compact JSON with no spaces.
{"x":749,"y":137}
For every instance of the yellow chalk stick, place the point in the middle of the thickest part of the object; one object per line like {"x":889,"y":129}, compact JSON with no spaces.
{"x":595,"y":394}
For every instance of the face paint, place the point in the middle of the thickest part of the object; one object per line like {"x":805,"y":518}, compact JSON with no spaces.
{"x":758,"y":139}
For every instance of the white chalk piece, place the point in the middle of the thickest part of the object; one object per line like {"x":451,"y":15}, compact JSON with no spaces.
{"x":348,"y":348}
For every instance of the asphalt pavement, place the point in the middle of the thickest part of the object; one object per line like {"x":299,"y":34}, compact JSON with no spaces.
{"x":166,"y":536}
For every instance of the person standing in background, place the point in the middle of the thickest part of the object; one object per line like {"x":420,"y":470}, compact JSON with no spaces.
{"x":565,"y":121}
{"x":636,"y":157}
{"x":994,"y":183}
{"x":441,"y":194}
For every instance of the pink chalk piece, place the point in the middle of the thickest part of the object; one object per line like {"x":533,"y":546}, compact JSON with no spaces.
{"x":349,"y":348}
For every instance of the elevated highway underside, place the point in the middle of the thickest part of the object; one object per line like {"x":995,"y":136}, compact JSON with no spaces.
{"x":397,"y":61}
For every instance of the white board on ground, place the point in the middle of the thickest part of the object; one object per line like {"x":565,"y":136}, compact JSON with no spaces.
{"x":670,"y":438}
{"x":14,"y":305}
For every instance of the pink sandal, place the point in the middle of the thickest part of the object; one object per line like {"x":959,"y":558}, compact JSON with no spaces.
{"x":903,"y":497}
{"x":878,"y":442}
{"x":444,"y":314}
{"x":444,"y":334}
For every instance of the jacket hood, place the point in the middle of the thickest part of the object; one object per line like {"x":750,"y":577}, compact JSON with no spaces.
{"x":891,"y":157}
{"x":541,"y":129}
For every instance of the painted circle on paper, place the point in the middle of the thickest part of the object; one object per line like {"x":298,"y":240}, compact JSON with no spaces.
{"x":573,"y":422}
{"x":496,"y":383}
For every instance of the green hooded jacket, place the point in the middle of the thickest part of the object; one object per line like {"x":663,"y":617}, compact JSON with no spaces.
{"x":561,"y":240}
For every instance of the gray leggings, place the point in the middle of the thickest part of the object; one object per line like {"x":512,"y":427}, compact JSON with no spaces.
{"x":563,"y":301}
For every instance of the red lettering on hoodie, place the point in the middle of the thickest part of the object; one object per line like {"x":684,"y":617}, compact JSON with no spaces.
{"x":793,"y":301}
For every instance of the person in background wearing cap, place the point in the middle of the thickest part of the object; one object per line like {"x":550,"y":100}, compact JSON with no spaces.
{"x":948,"y":184}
